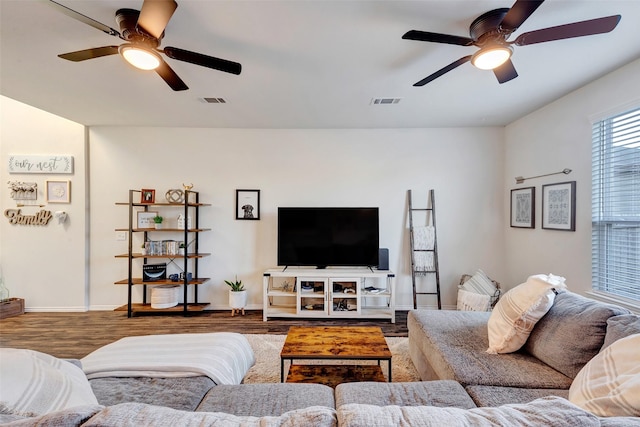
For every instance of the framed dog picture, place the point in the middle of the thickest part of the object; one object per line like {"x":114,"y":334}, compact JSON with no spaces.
{"x":147,"y":195}
{"x":248,"y":204}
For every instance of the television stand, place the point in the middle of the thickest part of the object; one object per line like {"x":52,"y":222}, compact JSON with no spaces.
{"x":360,"y":293}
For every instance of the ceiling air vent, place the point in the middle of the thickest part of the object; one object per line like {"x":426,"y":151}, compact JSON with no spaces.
{"x":215,"y":100}
{"x":385,"y":101}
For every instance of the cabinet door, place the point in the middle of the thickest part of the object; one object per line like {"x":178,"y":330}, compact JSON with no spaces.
{"x":312,"y":296}
{"x":344,"y":296}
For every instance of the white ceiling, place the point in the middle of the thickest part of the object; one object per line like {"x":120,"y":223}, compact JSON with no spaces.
{"x":306,"y":63}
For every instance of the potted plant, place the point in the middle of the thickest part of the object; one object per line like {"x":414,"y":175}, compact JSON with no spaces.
{"x":158,"y":221}
{"x":181,"y":248}
{"x":143,"y":249}
{"x":237,"y":296}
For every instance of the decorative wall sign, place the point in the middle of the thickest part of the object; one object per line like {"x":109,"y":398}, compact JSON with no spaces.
{"x":145,"y":219}
{"x":247,"y":204}
{"x":23,"y":190}
{"x":523,"y":212}
{"x":559,"y":206}
{"x":16,"y":217}
{"x":52,"y":163}
{"x":58,"y":191}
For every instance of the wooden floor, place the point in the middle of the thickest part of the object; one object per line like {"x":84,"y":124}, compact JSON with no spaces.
{"x":74,"y":335}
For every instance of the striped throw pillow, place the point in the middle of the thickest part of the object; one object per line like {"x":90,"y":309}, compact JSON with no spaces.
{"x":609,"y":384}
{"x":518,"y":311}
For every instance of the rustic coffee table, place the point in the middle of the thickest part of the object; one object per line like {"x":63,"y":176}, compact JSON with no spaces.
{"x":334,"y":343}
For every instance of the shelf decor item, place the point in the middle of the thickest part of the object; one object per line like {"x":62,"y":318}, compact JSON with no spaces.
{"x":174,"y":196}
{"x":158,"y":221}
{"x":145,"y":219}
{"x":523,"y":207}
{"x":147,"y":196}
{"x":237,"y":296}
{"x":559,"y":206}
{"x":248,"y":204}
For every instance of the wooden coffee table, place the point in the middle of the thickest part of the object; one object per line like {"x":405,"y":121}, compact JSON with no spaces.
{"x":335,"y":343}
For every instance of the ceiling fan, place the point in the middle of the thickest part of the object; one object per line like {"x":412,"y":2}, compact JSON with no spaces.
{"x":491,"y":30}
{"x":142,"y":31}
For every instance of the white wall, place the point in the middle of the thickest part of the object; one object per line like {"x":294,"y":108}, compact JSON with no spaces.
{"x":45,"y":265}
{"x":472,"y":171}
{"x":301,"y":168}
{"x":555,"y":137}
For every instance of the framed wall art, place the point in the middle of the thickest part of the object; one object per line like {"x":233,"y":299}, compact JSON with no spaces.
{"x":247,"y":204}
{"x":145,"y":219}
{"x":559,"y":206}
{"x":147,"y":195}
{"x":58,"y":191}
{"x":523,"y":207}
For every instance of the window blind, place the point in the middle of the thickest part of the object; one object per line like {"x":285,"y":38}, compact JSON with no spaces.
{"x":615,"y":239}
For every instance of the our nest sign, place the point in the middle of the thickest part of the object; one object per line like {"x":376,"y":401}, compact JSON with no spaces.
{"x":54,"y":163}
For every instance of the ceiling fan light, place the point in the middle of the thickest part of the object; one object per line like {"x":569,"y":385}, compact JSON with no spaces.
{"x":140,"y":57}
{"x":491,"y":57}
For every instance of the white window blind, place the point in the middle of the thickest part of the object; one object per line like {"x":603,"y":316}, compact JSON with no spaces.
{"x":615,"y":203}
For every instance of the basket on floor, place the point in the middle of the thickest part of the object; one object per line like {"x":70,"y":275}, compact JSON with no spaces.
{"x":478,"y":301}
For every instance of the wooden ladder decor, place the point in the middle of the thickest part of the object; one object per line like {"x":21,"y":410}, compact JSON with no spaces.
{"x":424,"y":248}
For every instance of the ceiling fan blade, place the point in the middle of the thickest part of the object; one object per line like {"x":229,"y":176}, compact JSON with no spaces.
{"x":203,"y":60}
{"x":84,"y":19}
{"x":519,"y":12}
{"x":170,"y":77}
{"x":443,"y":71}
{"x":568,"y":31}
{"x":82,"y":55}
{"x":505,"y":72}
{"x":425,"y":36}
{"x":155,"y":15}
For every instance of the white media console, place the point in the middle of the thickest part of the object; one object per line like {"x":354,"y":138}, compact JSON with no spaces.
{"x":329,"y":293}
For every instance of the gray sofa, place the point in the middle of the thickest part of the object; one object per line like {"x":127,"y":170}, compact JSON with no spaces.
{"x":452,"y":345}
{"x":463,"y":385}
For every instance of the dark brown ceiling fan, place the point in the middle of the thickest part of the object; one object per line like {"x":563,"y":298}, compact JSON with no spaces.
{"x":142,"y":31}
{"x":491,"y":30}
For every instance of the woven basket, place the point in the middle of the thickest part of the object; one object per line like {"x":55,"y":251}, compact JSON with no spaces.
{"x":493,"y":298}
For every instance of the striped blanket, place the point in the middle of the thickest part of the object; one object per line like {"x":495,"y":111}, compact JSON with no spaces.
{"x":223,"y":356}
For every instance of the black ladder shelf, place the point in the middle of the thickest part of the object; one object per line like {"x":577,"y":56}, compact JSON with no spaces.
{"x":424,"y":251}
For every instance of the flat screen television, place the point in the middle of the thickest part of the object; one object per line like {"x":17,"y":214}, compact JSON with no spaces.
{"x":324,"y":237}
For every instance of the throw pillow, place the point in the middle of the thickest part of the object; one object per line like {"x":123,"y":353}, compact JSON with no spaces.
{"x":609,"y":385}
{"x":619,"y":327}
{"x":517,"y":312}
{"x":35,"y":383}
{"x":479,"y":283}
{"x":571,"y":333}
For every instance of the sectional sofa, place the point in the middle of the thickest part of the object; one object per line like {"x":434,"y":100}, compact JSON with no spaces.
{"x":463,"y":384}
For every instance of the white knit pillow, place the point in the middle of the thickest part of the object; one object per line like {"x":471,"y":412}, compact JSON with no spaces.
{"x":609,"y":384}
{"x":518,"y":311}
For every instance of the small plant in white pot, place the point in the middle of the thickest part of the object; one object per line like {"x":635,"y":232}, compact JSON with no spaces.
{"x":143,"y":249}
{"x":181,"y":249}
{"x":237,"y":296}
{"x":158,"y":221}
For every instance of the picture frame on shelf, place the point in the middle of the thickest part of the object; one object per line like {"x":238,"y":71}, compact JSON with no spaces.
{"x":523,"y":207}
{"x":559,"y":206}
{"x":58,"y":191}
{"x":145,"y":219}
{"x":248,"y":204}
{"x":147,"y":195}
